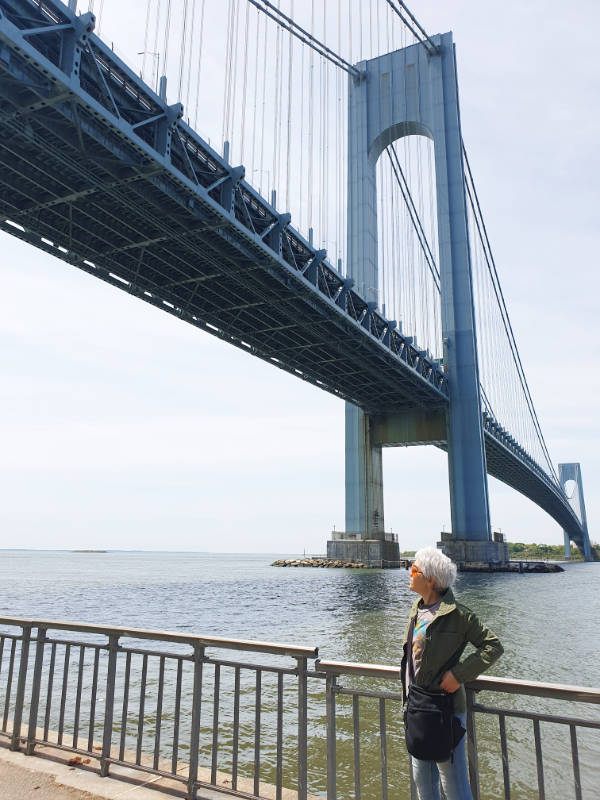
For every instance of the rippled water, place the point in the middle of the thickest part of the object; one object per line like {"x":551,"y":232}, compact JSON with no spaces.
{"x":549,"y":625}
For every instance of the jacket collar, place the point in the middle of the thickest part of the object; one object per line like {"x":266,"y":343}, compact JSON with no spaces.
{"x":447,"y":605}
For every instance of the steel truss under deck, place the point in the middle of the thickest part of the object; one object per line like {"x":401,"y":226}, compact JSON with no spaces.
{"x":98,"y":170}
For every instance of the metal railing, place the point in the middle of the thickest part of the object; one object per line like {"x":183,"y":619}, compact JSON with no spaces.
{"x":503,"y":689}
{"x":186,"y":707}
{"x":138,"y":698}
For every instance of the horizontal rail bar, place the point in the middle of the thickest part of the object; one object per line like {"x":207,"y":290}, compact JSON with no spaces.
{"x":149,"y":770}
{"x":556,"y":691}
{"x":74,"y":643}
{"x":261,"y":667}
{"x":367,"y":693}
{"x":534,"y":715}
{"x":295,"y":651}
{"x":369,"y":670}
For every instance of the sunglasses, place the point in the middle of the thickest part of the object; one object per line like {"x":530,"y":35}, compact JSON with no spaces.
{"x":414,"y":570}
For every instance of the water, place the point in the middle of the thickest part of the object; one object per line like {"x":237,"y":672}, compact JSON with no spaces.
{"x":549,"y":624}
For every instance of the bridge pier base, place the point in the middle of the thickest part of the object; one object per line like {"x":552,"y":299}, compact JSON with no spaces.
{"x":372,"y":552}
{"x":472,"y":551}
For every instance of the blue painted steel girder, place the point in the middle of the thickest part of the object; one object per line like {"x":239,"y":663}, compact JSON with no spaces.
{"x":97,"y":164}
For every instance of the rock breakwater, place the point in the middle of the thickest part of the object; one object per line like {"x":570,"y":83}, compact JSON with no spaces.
{"x":319,"y":562}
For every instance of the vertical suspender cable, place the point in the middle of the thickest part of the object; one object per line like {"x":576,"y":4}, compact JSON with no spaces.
{"x":245,"y":84}
{"x":199,"y":69}
{"x":100,"y":17}
{"x":155,"y":53}
{"x":277,"y":98}
{"x":262,"y":115}
{"x":234,"y":83}
{"x":324,"y":189}
{"x":228,"y":63}
{"x":301,"y":176}
{"x":182,"y":52}
{"x":166,"y":39}
{"x":255,"y":109}
{"x":190,"y":58}
{"x":289,"y":116}
{"x":146,"y":33}
{"x":311,"y":120}
{"x":338,"y":139}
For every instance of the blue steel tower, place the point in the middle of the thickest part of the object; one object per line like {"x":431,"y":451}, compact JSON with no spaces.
{"x":415,"y":91}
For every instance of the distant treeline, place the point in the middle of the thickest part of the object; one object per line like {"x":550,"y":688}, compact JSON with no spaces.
{"x":527,"y":552}
{"x":534,"y":552}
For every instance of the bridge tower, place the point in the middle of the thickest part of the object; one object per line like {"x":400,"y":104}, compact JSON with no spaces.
{"x":413,"y":91}
{"x":572,"y":472}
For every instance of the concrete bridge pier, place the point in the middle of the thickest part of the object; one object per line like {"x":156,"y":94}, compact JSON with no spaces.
{"x":364,"y":538}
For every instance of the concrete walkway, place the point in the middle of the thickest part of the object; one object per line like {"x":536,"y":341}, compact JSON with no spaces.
{"x":42,"y":777}
{"x":51,"y":774}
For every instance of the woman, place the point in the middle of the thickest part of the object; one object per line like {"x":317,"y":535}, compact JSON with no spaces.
{"x":441,"y":631}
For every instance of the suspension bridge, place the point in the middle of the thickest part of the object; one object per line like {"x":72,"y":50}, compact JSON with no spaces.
{"x":367,"y":271}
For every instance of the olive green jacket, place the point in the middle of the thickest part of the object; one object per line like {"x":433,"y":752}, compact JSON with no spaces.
{"x":453,"y":627}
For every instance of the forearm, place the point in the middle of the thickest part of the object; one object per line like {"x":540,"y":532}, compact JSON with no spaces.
{"x":476,"y":663}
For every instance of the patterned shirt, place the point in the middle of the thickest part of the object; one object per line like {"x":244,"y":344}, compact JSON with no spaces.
{"x":425,"y":614}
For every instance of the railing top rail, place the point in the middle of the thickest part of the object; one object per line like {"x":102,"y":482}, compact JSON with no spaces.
{"x":556,"y":691}
{"x":294,"y":651}
{"x":368,"y":670}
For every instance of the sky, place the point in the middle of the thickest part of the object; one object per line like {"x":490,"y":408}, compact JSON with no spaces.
{"x":124,"y":428}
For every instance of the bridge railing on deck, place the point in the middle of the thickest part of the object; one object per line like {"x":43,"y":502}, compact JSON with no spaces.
{"x":190,"y":709}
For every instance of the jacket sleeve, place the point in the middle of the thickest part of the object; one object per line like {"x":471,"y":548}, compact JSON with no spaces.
{"x":487,"y":646}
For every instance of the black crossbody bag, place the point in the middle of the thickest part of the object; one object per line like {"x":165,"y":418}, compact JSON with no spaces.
{"x":431,"y":729}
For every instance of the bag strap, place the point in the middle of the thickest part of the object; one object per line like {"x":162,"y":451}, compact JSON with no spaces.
{"x":409,"y":650}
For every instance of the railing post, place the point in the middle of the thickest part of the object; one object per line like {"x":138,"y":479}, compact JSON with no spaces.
{"x":20,"y":696}
{"x":302,"y":729}
{"x":330,"y":711}
{"x":195,"y":732}
{"x":113,"y":649}
{"x":35,"y":689}
{"x":472,"y":745}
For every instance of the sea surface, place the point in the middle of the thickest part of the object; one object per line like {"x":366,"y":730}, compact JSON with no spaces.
{"x":549,"y":625}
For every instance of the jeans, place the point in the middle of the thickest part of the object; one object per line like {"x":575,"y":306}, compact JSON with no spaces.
{"x":453,"y":774}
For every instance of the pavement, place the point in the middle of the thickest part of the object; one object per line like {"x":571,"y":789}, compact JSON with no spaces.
{"x":51,"y":774}
{"x":20,"y":783}
{"x":43,"y":777}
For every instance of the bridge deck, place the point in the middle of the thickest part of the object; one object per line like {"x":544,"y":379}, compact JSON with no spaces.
{"x":99,"y":171}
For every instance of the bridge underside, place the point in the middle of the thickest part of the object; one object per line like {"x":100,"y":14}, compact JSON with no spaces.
{"x":181,"y":230}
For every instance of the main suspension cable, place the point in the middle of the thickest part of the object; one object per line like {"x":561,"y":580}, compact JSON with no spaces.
{"x":414,"y":26}
{"x":491,"y":264}
{"x":304,"y":36}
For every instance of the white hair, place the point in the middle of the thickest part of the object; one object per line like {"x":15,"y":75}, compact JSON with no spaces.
{"x":434,"y":564}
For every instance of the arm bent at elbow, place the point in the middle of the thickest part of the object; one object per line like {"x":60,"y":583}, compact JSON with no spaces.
{"x":488,"y":649}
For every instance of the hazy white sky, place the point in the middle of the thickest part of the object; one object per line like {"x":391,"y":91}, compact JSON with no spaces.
{"x":122,"y":427}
